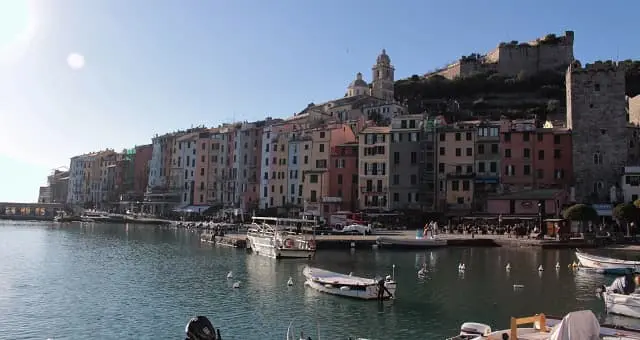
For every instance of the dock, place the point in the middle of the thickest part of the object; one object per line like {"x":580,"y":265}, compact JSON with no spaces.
{"x":453,"y":240}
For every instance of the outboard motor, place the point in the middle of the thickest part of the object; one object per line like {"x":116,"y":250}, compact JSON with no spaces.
{"x":200,"y":328}
{"x":474,"y":329}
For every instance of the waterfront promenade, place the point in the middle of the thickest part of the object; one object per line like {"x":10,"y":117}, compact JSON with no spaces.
{"x":453,"y":240}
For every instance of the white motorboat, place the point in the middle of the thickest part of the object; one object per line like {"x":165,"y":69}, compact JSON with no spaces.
{"x":350,"y":286}
{"x":621,"y":304}
{"x":575,"y":325}
{"x":405,"y":242}
{"x":281,"y":237}
{"x":601,"y":262}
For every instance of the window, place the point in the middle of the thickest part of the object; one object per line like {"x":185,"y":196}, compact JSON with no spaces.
{"x":481,"y":149}
{"x":507,"y":137}
{"x":507,"y":153}
{"x":458,"y":137}
{"x":597,"y":158}
{"x":557,"y":154}
{"x":540,"y":137}
{"x":441,"y":168}
{"x":306,"y":159}
{"x":314,"y":196}
{"x":396,"y":197}
{"x":396,"y":158}
{"x":466,"y":185}
{"x":414,"y":157}
{"x":321,"y":147}
{"x":455,"y":185}
{"x":509,"y":170}
{"x":556,"y":139}
{"x":469,"y":152}
{"x":494,"y":148}
{"x":458,"y":152}
{"x":526,"y":153}
{"x":442,"y":151}
{"x":525,"y":137}
{"x":493,"y":167}
{"x":596,"y":87}
{"x":340,"y":179}
{"x":313,"y":179}
{"x":322,"y":134}
{"x":442,"y":137}
{"x":541,"y":155}
{"x":468,"y":136}
{"x":481,"y":167}
{"x":414,"y":179}
{"x":294,"y":160}
{"x":201,"y":171}
{"x":527,"y":170}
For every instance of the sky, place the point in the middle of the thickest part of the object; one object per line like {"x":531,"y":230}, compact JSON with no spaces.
{"x":83,"y":75}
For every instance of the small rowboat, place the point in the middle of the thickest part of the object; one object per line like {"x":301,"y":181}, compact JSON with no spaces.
{"x":348,"y":285}
{"x":601,"y":262}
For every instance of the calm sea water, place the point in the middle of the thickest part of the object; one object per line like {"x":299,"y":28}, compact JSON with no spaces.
{"x":143,"y":282}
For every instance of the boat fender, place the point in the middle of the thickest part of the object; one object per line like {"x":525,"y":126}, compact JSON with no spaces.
{"x":288,"y":243}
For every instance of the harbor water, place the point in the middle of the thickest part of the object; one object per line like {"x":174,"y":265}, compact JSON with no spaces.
{"x":100,"y":281}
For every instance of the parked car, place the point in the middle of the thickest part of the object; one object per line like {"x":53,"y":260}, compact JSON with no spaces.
{"x":357,"y":229}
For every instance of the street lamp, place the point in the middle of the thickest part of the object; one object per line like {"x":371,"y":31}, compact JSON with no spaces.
{"x":540,"y":217}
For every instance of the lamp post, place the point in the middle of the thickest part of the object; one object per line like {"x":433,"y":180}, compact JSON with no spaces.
{"x":540,"y":216}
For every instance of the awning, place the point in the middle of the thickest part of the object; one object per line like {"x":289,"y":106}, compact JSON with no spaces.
{"x":198,"y":209}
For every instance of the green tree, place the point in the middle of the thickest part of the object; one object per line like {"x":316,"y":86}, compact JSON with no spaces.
{"x":626,"y":213}
{"x":581,"y":213}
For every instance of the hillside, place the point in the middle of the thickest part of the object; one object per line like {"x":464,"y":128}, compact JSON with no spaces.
{"x":491,"y":95}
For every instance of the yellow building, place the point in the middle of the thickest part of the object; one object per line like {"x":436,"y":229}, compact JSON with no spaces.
{"x":456,"y":170}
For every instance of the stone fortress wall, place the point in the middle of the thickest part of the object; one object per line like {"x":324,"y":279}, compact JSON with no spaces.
{"x":597,"y":116}
{"x":510,"y":58}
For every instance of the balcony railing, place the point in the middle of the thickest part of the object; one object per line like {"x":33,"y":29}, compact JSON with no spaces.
{"x":373,"y":190}
{"x":459,"y":206}
{"x":461,"y":175}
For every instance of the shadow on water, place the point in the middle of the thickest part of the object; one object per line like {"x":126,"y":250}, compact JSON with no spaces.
{"x":113,"y":281}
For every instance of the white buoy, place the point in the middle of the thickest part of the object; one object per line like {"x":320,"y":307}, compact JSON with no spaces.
{"x":236,"y":284}
{"x":557,"y":265}
{"x":508,"y":267}
{"x":540,"y":269}
{"x":230,"y":275}
{"x":461,"y":267}
{"x":290,"y":282}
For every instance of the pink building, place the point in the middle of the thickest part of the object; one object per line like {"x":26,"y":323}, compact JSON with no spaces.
{"x":343,"y":181}
{"x":535,"y":158}
{"x":141,"y":169}
{"x":530,"y":203}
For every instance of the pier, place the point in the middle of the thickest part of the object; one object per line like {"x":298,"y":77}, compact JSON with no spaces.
{"x":453,"y":240}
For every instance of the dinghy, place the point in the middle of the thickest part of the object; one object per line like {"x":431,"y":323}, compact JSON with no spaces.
{"x":601,"y":262}
{"x":349,"y":286}
{"x":575,"y":325}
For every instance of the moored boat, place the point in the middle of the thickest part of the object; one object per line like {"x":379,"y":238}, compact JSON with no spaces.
{"x":621,"y":304}
{"x":404,"y":242}
{"x":601,"y":262}
{"x":350,"y":286}
{"x":575,"y":325}
{"x":281,"y":237}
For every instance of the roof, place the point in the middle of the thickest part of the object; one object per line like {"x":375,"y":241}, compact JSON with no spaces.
{"x":187,"y":136}
{"x":377,"y":129}
{"x":538,"y":194}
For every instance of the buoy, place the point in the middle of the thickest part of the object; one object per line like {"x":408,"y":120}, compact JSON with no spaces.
{"x":353,"y":244}
{"x":540,"y":268}
{"x":290,"y":282}
{"x":557,"y":265}
{"x":508,"y":267}
{"x":236,"y":284}
{"x":461,"y":267}
{"x":230,"y":275}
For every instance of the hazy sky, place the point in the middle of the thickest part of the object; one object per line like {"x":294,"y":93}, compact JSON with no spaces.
{"x":83,"y":75}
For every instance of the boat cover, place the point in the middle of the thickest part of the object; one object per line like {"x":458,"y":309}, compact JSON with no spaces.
{"x":580,"y":325}
{"x":328,"y":277}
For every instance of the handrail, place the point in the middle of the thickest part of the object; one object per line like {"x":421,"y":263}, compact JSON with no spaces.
{"x":515,"y":322}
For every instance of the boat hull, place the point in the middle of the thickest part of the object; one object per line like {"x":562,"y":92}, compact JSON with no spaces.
{"x":599,"y":262}
{"x":398,"y":242}
{"x":341,"y":287}
{"x":620,"y":304}
{"x":264,"y":247}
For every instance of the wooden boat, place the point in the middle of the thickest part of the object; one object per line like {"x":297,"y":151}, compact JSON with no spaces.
{"x":349,"y":286}
{"x":405,"y":242}
{"x":579,"y":325}
{"x":601,"y":262}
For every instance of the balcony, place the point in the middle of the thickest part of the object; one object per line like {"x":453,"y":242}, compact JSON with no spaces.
{"x":458,"y":206}
{"x":373,"y":190}
{"x":461,"y":175}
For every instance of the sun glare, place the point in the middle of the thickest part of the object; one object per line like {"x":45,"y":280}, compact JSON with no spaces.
{"x":75,"y":61}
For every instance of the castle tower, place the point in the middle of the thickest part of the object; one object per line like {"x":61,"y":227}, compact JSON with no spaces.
{"x":382,"y":79}
{"x":596,"y":115}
